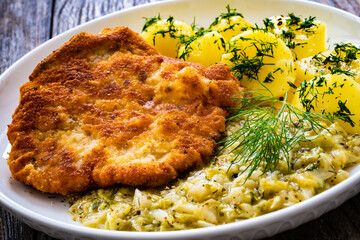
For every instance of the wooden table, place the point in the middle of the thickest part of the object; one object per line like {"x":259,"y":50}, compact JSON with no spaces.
{"x":25,"y":24}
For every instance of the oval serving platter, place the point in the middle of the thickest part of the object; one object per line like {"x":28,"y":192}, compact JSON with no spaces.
{"x":49,"y":213}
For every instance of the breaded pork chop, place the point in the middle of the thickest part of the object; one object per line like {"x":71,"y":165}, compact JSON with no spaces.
{"x":107,"y":109}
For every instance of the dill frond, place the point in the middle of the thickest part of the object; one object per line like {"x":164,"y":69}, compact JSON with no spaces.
{"x":307,"y":24}
{"x":339,"y":60}
{"x":186,"y":41}
{"x":150,"y":21}
{"x":230,"y":13}
{"x":267,"y":135}
{"x":309,"y":96}
{"x":244,"y":65}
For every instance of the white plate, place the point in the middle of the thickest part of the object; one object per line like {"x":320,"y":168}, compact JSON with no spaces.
{"x":49,"y":213}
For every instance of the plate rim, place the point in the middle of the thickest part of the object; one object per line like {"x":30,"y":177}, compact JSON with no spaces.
{"x":18,"y":210}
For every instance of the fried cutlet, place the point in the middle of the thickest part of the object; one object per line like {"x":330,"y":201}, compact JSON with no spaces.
{"x":107,"y":109}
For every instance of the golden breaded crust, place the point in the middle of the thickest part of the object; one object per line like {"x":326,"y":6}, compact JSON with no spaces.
{"x":107,"y":109}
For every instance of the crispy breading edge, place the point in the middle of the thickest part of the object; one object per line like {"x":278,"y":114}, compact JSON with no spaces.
{"x":114,"y":39}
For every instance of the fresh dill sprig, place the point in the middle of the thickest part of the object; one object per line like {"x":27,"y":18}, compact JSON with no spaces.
{"x":230,"y":13}
{"x":293,"y":20}
{"x":150,"y":21}
{"x":307,"y":24}
{"x":267,"y":135}
{"x":268,"y":24}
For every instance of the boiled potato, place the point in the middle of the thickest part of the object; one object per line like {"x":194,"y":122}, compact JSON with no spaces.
{"x":165,"y":34}
{"x":335,"y":94}
{"x":343,"y":59}
{"x":230,"y":24}
{"x":206,"y":48}
{"x":304,"y":36}
{"x":261,"y":61}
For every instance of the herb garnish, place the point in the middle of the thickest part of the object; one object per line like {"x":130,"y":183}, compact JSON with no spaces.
{"x":268,"y":24}
{"x":230,"y":13}
{"x":171,"y":29}
{"x":293,"y":20}
{"x":338,"y":60}
{"x":267,"y":135}
{"x":293,"y":24}
{"x":186,"y":41}
{"x":244,"y":65}
{"x":307,"y":23}
{"x":150,"y":21}
{"x":309,"y":96}
{"x":344,"y":113}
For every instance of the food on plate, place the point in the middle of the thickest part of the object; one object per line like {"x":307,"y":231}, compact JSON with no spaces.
{"x":165,"y":34}
{"x":329,"y":83}
{"x":304,"y":36}
{"x":221,"y":192}
{"x":107,"y":109}
{"x":230,"y":24}
{"x":336,"y":94}
{"x":205,"y":48}
{"x":343,"y":59}
{"x":261,"y":61}
{"x":277,"y":150}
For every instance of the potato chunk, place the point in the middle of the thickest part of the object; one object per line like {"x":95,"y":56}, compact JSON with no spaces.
{"x":304,"y":36}
{"x":261,"y":61}
{"x":164,"y":34}
{"x":337,"y":94}
{"x":206,"y":48}
{"x":343,"y":59}
{"x":230,"y":24}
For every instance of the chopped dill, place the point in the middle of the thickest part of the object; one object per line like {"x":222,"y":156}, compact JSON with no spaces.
{"x":309,"y":96}
{"x":308,"y":93}
{"x":307,"y":23}
{"x":344,"y":113}
{"x":293,"y":20}
{"x":293,"y":24}
{"x":230,"y":13}
{"x":351,"y":52}
{"x":243,"y":65}
{"x":287,"y":35}
{"x":292,"y":85}
{"x":338,"y":60}
{"x":269,"y":25}
{"x":171,"y":29}
{"x":337,"y":70}
{"x":186,"y":41}
{"x":269,"y":78}
{"x":150,"y":21}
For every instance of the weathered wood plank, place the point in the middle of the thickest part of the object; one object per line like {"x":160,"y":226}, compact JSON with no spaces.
{"x":352,"y":6}
{"x":23,"y":26}
{"x":69,"y":14}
